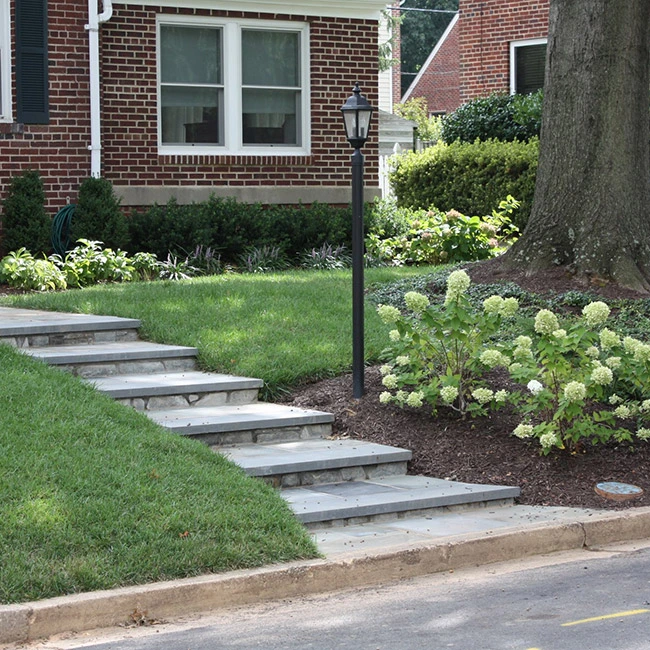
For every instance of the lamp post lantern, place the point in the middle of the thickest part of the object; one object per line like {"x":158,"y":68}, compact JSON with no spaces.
{"x":356,"y":116}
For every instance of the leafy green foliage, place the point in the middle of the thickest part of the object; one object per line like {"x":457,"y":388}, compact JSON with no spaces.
{"x":469,"y":177}
{"x":435,"y":237}
{"x":326,"y":257}
{"x":25,"y":223}
{"x":496,"y":117}
{"x":98,"y":216}
{"x":229,"y":228}
{"x":429,"y":128}
{"x":19,"y":269}
{"x":263,"y":260}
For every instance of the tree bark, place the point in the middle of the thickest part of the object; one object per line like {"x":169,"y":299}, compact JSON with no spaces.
{"x":592,"y":195}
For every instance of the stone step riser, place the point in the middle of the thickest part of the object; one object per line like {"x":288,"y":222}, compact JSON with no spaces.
{"x":189,"y":400}
{"x":404,"y":514}
{"x":335,"y":475}
{"x":246,"y":436}
{"x":70,"y":338}
{"x":88,"y":370}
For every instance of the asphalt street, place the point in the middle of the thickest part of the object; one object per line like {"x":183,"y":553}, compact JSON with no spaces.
{"x":587,"y":600}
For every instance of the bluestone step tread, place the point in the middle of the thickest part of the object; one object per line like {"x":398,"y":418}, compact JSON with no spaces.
{"x":171,"y":383}
{"x":25,"y":322}
{"x":311,"y":455}
{"x":354,"y":499}
{"x":109,"y":352}
{"x":258,"y":415}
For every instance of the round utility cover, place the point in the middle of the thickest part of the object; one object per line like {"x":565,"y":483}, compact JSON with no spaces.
{"x":618,"y":491}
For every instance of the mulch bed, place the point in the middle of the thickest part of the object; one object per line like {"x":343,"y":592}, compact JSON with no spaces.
{"x":482,"y":450}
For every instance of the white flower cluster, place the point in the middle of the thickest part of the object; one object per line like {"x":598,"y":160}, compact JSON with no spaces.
{"x":505,"y":307}
{"x":457,"y":284}
{"x":609,"y":339}
{"x":388,"y":314}
{"x":448,"y":394}
{"x":592,"y":352}
{"x":483,"y":395}
{"x":523,"y":431}
{"x":643,"y":434}
{"x":390,"y":381}
{"x":546,"y":322}
{"x":493,"y":358}
{"x":638,"y":349}
{"x":522,"y":349}
{"x":402,"y":360}
{"x":416,"y":302}
{"x":500,"y":396}
{"x":623,"y":412}
{"x":548,"y":440}
{"x":394,"y":336}
{"x":613,"y":362}
{"x":602,"y":376}
{"x":575,"y":391}
{"x":559,"y":334}
{"x":535,"y":387}
{"x":595,"y":313}
{"x":415,"y":399}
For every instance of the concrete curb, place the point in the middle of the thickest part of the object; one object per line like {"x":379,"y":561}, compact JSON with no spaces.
{"x":167,"y":600}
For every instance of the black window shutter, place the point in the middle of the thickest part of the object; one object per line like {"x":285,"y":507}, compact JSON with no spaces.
{"x":529,"y":64}
{"x":32,"y":104}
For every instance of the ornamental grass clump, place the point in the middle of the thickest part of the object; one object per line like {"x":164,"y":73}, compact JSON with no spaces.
{"x":438,"y":353}
{"x":584,"y":383}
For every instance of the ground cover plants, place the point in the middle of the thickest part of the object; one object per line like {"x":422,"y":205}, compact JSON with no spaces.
{"x":95,"y":495}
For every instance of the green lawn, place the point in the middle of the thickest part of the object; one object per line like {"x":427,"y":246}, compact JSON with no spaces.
{"x":95,"y":495}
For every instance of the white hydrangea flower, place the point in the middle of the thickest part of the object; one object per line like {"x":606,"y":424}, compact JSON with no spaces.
{"x":400,"y":396}
{"x":385,"y":370}
{"x":515,"y":367}
{"x":546,"y":322}
{"x":613,"y":362}
{"x":630,"y":344}
{"x":416,"y":302}
{"x":535,"y":387}
{"x":615,"y":399}
{"x":548,"y":440}
{"x":500,"y":396}
{"x":415,"y":399}
{"x":523,"y":342}
{"x":645,"y":406}
{"x":402,"y":360}
{"x":510,"y":307}
{"x":390,"y":381}
{"x":622,"y":411}
{"x":642,"y":352}
{"x":609,"y":339}
{"x":602,"y":376}
{"x":596,"y":313}
{"x":523,"y":431}
{"x":522,"y":353}
{"x":643,"y":434}
{"x":388,"y":313}
{"x":492,"y":358}
{"x":575,"y":391}
{"x":448,"y":394}
{"x":457,"y":284}
{"x":559,"y":334}
{"x":493,"y":305}
{"x":394,"y":336}
{"x":592,"y":352}
{"x":385,"y":397}
{"x":482,"y":395}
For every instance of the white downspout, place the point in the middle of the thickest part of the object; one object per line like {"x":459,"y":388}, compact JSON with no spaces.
{"x":94,"y":21}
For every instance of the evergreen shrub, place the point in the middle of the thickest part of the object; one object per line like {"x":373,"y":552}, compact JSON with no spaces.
{"x":469,"y":177}
{"x":25,"y":222}
{"x":231,"y":228}
{"x":496,"y":117}
{"x":98,"y":216}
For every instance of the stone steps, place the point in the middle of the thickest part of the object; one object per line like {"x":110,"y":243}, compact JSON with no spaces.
{"x":327,"y":482}
{"x":308,"y":462}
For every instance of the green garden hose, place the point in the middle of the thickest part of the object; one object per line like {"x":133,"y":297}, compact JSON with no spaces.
{"x":61,"y":229}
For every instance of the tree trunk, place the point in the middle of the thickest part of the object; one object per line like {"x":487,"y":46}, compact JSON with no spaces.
{"x":592,"y":195}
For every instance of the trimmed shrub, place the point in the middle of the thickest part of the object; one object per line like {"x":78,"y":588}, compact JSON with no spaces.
{"x":469,"y":177}
{"x":496,"y":117}
{"x":24,"y":220}
{"x":98,"y":216}
{"x":231,"y":228}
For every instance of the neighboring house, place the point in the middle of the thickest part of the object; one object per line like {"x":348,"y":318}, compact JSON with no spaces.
{"x":490,"y":46}
{"x":186,"y":98}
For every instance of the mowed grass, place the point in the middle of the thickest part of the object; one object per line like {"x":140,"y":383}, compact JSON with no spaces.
{"x":283,"y":328}
{"x":94,"y":495}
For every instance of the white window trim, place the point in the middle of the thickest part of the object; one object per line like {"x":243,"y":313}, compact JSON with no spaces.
{"x":5,"y":62}
{"x":513,"y":47}
{"x":232,"y":85}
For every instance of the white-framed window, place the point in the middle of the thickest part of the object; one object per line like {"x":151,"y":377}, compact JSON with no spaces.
{"x":230,"y":86}
{"x":527,"y":64}
{"x":5,"y":63}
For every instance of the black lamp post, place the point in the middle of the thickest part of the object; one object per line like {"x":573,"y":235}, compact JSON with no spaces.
{"x":356,"y":115}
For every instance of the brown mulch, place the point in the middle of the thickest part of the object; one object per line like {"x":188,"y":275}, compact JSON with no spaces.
{"x":483,"y":450}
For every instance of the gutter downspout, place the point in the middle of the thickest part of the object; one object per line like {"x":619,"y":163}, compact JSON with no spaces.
{"x":94,"y":21}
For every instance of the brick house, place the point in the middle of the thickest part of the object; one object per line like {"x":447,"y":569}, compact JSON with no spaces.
{"x":186,"y":98}
{"x":490,"y":46}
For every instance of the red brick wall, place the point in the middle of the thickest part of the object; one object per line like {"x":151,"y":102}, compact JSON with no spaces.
{"x":440,"y":81}
{"x":343,"y":51}
{"x":486,"y":29}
